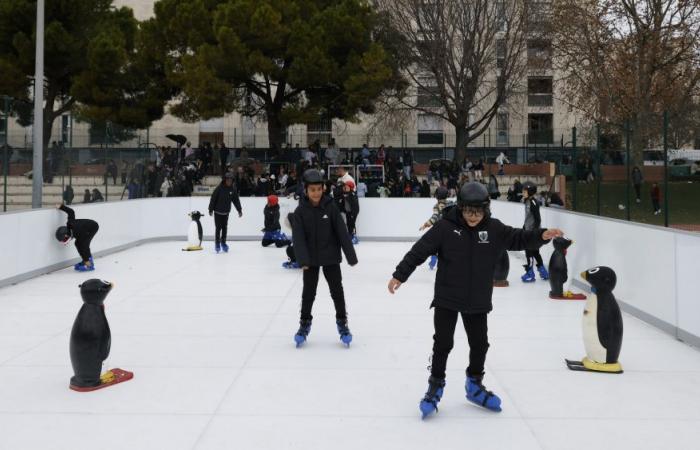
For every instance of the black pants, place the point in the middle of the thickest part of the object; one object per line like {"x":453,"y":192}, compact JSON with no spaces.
{"x":657,"y":204}
{"x":351,"y":219}
{"x":221,"y":224}
{"x":638,"y":190}
{"x":82,"y":242}
{"x":475,"y":325}
{"x":529,"y":254}
{"x":224,"y":161}
{"x":334,"y":277}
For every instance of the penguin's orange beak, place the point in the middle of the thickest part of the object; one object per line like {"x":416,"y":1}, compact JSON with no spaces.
{"x":584,"y":275}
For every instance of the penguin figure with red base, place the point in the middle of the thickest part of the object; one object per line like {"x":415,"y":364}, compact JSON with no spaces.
{"x":602,"y":324}
{"x":90,"y":341}
{"x":559,"y":271}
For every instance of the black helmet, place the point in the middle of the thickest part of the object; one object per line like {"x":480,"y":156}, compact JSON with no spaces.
{"x":530,"y":187}
{"x":473,"y":194}
{"x":312,"y":176}
{"x":63,"y":234}
{"x":441,"y":193}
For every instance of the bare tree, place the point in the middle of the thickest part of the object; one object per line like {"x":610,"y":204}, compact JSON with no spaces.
{"x":462,"y":58}
{"x":629,"y":60}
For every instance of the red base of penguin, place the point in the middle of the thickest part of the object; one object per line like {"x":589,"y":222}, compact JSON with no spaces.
{"x":500,"y":283}
{"x":110,"y":378}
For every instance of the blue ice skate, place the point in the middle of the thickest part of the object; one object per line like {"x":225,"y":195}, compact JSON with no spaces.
{"x":429,"y":404}
{"x":304,"y":330}
{"x":543,"y":272}
{"x":433,"y":262}
{"x":529,"y":276}
{"x":355,"y":241}
{"x":291,"y":265}
{"x":81,"y":263}
{"x":83,"y":268}
{"x":217,"y":248}
{"x":224,"y":247}
{"x":479,"y":395}
{"x":344,"y":332}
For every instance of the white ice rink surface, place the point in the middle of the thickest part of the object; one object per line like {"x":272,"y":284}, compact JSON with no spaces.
{"x":209,"y":338}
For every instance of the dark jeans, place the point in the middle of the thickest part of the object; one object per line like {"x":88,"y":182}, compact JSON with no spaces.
{"x":638,"y":190}
{"x":475,"y":325}
{"x":529,"y":254}
{"x":334,"y":277}
{"x":221,"y":224}
{"x":656,"y":203}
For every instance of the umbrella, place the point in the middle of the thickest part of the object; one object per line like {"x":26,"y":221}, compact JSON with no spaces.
{"x":180,"y":139}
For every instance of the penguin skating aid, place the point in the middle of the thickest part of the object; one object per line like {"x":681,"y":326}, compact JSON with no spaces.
{"x":602,"y":325}
{"x":194,"y":233}
{"x":558,"y":271}
{"x":90,"y":341}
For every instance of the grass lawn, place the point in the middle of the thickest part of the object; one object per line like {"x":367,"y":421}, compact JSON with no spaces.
{"x":683,"y":199}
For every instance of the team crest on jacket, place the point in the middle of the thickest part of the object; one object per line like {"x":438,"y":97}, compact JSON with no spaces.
{"x":483,"y":237}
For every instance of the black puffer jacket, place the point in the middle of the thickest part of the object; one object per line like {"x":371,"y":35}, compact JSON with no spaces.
{"x":82,"y":230}
{"x":466,"y":259}
{"x":272,"y":218}
{"x":319,"y":233}
{"x":221,"y":199}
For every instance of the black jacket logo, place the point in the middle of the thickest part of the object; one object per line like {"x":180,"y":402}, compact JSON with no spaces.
{"x":483,"y":237}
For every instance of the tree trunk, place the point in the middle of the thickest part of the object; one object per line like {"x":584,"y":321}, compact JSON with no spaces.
{"x":276,"y":131}
{"x":461,"y":143}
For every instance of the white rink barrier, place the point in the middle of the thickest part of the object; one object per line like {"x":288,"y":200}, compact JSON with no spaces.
{"x":655,"y":266}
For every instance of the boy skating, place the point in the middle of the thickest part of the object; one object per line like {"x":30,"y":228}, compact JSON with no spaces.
{"x":318,"y":235}
{"x":533,"y":221}
{"x":82,"y":230}
{"x":273,"y":231}
{"x":220,"y":207}
{"x":468,"y":242}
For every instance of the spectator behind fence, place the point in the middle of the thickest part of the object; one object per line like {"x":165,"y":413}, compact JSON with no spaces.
{"x":97,"y":196}
{"x":637,"y":179}
{"x":87,"y":197}
{"x":68,"y":195}
{"x":111,"y":171}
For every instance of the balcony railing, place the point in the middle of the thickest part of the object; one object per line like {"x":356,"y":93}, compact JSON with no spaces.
{"x":539,"y":100}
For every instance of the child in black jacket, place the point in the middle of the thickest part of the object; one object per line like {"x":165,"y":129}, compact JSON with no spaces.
{"x":273,"y":230}
{"x":318,"y":234}
{"x":82,"y":230}
{"x":220,"y":207}
{"x":351,"y":208}
{"x":533,"y":221}
{"x":468,"y":243}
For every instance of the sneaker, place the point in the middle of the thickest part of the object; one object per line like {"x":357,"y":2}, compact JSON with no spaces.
{"x":428,"y":404}
{"x":224,"y":247}
{"x":344,"y":332}
{"x":479,"y":395}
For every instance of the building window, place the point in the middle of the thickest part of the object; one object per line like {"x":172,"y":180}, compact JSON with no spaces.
{"x":539,"y":54}
{"x":501,"y":16}
{"x":500,"y":53}
{"x":320,"y":130}
{"x":427,"y":93}
{"x":430,"y":131}
{"x":538,"y":15}
{"x":539,"y":129}
{"x":539,"y":91}
{"x":502,"y":129}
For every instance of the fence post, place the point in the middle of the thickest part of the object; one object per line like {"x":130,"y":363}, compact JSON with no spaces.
{"x":5,"y":159}
{"x":666,"y":168}
{"x":629,"y":167}
{"x":574,"y":167}
{"x":599,"y":174}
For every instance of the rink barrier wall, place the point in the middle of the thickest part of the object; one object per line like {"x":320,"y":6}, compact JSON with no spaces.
{"x":656,"y":267}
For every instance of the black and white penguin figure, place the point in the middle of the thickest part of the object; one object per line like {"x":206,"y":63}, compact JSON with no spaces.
{"x":90,"y":340}
{"x":559,"y":271}
{"x":602,"y":324}
{"x":500,"y":273}
{"x":194,"y":233}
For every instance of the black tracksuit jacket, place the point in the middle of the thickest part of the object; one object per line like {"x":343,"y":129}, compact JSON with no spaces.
{"x":82,"y":230}
{"x":319,"y":233}
{"x":466,"y":259}
{"x":272,"y":218}
{"x":221,"y":199}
